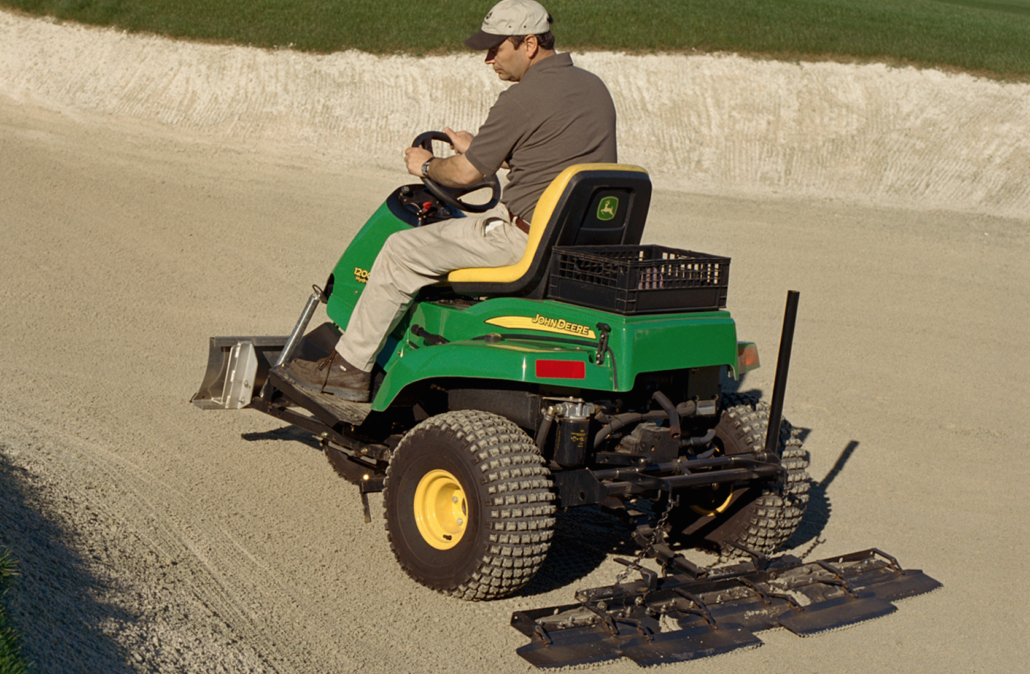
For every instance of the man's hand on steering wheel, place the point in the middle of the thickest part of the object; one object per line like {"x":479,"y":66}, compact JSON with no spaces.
{"x":414,"y":157}
{"x":460,"y":140}
{"x":450,"y":193}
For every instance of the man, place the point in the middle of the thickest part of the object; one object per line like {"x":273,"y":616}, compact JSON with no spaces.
{"x":555,"y":116}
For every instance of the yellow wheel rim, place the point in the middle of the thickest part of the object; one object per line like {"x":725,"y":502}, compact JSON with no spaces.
{"x":441,"y":509}
{"x":713,"y":507}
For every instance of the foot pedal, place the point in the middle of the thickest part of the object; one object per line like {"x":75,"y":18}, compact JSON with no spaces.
{"x":328,"y":408}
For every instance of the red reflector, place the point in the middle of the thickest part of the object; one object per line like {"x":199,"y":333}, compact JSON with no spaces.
{"x":561,"y":369}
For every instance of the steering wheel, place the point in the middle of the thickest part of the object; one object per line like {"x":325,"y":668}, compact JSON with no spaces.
{"x":452,"y":195}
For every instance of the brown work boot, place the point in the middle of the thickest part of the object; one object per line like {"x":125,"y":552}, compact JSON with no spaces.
{"x":332,"y":375}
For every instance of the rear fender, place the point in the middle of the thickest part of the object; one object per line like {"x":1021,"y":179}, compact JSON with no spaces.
{"x":507,"y":361}
{"x":549,"y":343}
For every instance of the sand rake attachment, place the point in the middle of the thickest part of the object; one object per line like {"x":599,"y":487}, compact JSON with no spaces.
{"x":695,"y":613}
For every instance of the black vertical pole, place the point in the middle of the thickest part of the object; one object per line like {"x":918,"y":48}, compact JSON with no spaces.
{"x":772,"y":438}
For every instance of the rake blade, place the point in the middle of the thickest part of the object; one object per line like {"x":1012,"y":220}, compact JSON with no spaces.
{"x":752,"y":614}
{"x":718,"y":612}
{"x":834,"y":614}
{"x":902,"y":585}
{"x":578,"y":646}
{"x":691,"y":643}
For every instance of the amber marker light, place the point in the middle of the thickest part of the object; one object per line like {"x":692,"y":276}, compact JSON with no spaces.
{"x":747,"y":356}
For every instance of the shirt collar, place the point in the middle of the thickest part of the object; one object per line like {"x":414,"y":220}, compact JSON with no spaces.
{"x":561,"y":60}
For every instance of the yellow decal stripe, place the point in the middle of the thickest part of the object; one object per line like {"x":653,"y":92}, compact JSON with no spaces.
{"x":541,"y":324}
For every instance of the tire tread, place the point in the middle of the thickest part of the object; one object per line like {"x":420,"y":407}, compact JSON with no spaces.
{"x":518,"y":502}
{"x":773,"y":516}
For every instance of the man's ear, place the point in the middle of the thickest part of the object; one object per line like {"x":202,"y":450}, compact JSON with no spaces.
{"x":532,"y":45}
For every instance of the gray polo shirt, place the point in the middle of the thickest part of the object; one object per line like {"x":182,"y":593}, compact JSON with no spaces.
{"x":557,"y":115}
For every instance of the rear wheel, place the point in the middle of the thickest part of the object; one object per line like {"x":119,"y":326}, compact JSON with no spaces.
{"x":759,"y":517}
{"x":468,"y":505}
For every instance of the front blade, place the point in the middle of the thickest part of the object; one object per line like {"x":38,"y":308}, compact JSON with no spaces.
{"x":236,"y":368}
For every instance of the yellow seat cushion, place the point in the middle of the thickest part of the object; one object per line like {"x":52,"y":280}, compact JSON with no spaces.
{"x":541,"y":217}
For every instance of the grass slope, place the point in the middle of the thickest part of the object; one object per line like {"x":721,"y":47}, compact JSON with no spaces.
{"x":988,"y":36}
{"x":10,"y":655}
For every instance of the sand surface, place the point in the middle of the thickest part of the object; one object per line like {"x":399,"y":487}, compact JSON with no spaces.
{"x":153,"y":194}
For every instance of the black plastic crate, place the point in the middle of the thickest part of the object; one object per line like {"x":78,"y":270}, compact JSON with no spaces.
{"x":639,"y":279}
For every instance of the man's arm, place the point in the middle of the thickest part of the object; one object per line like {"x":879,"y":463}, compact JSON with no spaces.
{"x":461,"y":140}
{"x":456,"y":171}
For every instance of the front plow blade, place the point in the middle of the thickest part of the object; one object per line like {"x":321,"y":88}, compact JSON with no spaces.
{"x":236,"y":368}
{"x":685,"y":617}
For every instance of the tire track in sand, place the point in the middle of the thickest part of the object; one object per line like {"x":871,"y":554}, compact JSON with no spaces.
{"x":191,"y":593}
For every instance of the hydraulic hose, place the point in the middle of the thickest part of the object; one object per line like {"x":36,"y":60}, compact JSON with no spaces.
{"x":620,"y":421}
{"x":545,"y":428}
{"x":670,"y":409}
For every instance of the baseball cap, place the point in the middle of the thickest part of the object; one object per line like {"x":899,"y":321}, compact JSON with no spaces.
{"x":510,"y":17}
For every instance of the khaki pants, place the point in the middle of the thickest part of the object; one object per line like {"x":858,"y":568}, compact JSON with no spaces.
{"x":414,"y":258}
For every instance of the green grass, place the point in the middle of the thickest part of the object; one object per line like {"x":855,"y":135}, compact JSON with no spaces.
{"x":988,"y":36}
{"x":10,"y":656}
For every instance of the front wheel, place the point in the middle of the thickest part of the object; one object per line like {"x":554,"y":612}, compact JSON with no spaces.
{"x":757,"y":517}
{"x":469,"y":505}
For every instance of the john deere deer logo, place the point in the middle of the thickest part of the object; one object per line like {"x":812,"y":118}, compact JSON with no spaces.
{"x":606,"y":210}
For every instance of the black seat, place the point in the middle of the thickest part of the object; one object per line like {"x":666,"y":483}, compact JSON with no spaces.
{"x":586,"y":205}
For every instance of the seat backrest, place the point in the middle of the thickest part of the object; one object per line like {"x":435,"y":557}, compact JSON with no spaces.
{"x":586,"y":205}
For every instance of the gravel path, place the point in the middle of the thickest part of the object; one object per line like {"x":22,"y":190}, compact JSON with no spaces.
{"x":155,"y":537}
